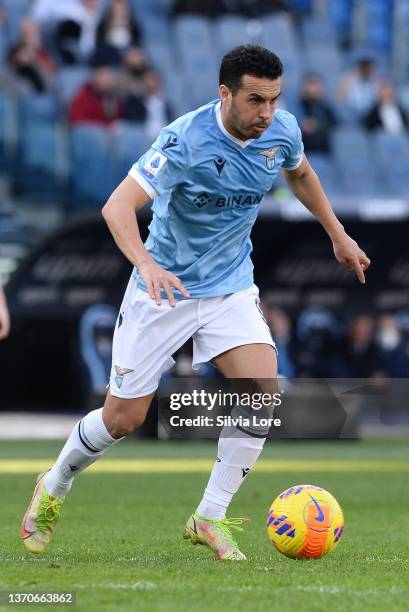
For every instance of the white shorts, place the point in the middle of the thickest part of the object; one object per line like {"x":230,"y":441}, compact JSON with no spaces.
{"x":147,"y":335}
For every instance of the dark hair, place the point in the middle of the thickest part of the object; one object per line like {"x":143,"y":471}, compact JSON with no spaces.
{"x":248,"y":59}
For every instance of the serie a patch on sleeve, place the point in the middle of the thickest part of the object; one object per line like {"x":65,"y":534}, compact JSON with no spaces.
{"x":155,"y":162}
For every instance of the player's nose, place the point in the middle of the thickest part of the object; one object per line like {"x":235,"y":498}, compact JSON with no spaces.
{"x":266,"y":112}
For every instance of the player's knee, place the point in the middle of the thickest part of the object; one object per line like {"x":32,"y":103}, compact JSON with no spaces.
{"x":125,"y":423}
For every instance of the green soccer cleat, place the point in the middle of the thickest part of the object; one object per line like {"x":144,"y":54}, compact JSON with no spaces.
{"x":40,"y":518}
{"x":216,"y":534}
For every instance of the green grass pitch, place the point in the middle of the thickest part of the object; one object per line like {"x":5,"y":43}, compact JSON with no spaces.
{"x":119,"y":545}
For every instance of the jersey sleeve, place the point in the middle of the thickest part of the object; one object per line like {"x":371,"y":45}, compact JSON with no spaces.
{"x":163,"y":166}
{"x":294,"y":152}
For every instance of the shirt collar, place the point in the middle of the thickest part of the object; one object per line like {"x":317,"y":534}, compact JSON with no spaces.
{"x":242,"y":143}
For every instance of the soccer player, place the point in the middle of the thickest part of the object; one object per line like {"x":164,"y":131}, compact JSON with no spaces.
{"x":206,"y":173}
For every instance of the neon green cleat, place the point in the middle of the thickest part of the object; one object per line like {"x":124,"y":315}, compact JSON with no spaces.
{"x":216,"y":534}
{"x":40,"y":518}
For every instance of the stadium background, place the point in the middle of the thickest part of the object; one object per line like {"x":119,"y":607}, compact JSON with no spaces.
{"x":60,"y":157}
{"x":64,"y":146}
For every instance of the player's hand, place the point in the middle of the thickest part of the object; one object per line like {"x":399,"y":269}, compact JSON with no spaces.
{"x":156,"y":278}
{"x":4,"y":322}
{"x":348,"y":253}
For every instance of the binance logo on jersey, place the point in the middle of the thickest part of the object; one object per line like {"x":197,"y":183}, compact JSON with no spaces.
{"x":202,"y":199}
{"x":238,"y":200}
{"x":235,"y":201}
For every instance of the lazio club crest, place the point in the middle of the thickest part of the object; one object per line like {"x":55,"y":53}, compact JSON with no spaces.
{"x":270,"y":156}
{"x":120,"y":373}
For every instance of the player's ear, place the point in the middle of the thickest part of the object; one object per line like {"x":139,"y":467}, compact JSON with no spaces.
{"x":225,"y":92}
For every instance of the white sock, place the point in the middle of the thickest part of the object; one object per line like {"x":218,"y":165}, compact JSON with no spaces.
{"x":237,"y":452}
{"x":88,"y":441}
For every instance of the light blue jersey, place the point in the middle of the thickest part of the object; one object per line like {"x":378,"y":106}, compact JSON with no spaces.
{"x":207,"y":188}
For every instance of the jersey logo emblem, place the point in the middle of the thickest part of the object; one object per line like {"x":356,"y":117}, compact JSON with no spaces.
{"x":172,"y":141}
{"x":220,"y":163}
{"x":202,"y":199}
{"x":154,"y":164}
{"x":119,"y":378}
{"x":270,"y":156}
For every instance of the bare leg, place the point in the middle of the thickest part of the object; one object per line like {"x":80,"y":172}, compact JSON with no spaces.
{"x":122,"y":416}
{"x":248,"y":361}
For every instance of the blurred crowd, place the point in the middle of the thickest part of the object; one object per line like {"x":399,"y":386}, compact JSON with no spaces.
{"x":317,"y":345}
{"x":246,"y":8}
{"x":370,"y":98}
{"x":122,"y":84}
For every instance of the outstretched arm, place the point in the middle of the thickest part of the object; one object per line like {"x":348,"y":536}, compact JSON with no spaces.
{"x":306,"y":186}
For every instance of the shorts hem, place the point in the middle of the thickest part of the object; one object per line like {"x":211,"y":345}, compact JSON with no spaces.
{"x":196,"y":365}
{"x":133,"y":395}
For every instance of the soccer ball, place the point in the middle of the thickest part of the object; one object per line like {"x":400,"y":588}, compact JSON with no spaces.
{"x":305,"y":522}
